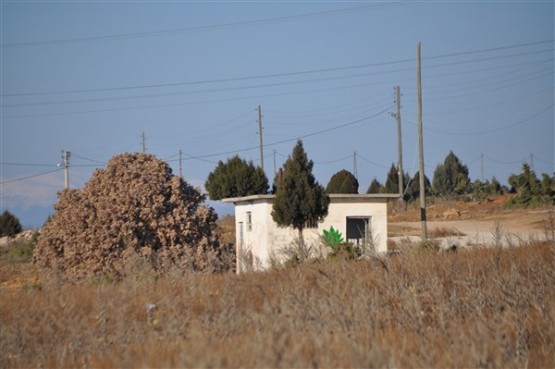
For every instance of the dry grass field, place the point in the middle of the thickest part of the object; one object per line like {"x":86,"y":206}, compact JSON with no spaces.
{"x":478,"y":307}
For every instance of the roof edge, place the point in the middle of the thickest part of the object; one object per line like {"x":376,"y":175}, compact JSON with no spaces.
{"x":332,"y":196}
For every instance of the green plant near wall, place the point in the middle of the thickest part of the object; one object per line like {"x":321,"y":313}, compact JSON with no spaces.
{"x":332,"y":238}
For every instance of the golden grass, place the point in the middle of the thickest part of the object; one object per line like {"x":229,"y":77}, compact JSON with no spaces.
{"x":474,"y":308}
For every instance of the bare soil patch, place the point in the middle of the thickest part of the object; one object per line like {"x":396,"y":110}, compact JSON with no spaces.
{"x":471,"y":219}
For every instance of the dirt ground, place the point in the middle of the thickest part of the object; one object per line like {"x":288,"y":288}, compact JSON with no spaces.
{"x":472,"y":222}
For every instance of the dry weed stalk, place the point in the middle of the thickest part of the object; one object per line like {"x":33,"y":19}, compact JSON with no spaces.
{"x":426,"y":310}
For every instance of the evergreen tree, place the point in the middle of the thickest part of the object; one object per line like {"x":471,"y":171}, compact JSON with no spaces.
{"x":392,"y":181}
{"x":495,"y":186}
{"x":236,"y":178}
{"x":342,"y":182}
{"x":451,"y":178}
{"x":413,"y":191}
{"x":530,"y":190}
{"x":300,"y":199}
{"x":547,"y":188}
{"x":9,"y":224}
{"x":375,"y":187}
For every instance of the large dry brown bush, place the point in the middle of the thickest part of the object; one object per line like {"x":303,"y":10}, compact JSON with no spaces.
{"x":477,"y":308}
{"x":134,"y":214}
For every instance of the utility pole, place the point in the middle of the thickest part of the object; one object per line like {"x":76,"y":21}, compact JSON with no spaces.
{"x":260,"y":138}
{"x":424,"y":232}
{"x":399,"y":140}
{"x":65,"y":165}
{"x":531,"y":161}
{"x":143,"y":141}
{"x":180,"y":164}
{"x":355,"y":169}
{"x":482,"y":166}
{"x":275,"y":170}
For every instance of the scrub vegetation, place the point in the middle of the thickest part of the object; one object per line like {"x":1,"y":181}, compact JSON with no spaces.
{"x":477,"y":307}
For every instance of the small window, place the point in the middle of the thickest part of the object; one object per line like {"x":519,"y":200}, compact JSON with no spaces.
{"x":249,"y":221}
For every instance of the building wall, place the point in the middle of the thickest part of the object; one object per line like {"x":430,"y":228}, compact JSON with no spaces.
{"x":256,"y":243}
{"x":265,"y":240}
{"x":341,"y":209}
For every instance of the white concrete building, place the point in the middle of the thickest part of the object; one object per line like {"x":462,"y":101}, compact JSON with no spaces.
{"x":361,"y":219}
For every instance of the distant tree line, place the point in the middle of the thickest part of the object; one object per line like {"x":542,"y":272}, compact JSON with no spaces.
{"x":450,"y":181}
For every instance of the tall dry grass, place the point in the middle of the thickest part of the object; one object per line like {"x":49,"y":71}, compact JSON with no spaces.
{"x":473,"y":308}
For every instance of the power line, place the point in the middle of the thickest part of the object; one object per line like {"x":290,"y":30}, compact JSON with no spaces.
{"x":28,"y":164}
{"x":237,"y":88}
{"x":525,"y":120}
{"x":334,"y":88}
{"x":194,"y":92}
{"x":91,"y":160}
{"x":199,"y":157}
{"x":29,"y":177}
{"x":371,"y":162}
{"x":312,"y":71}
{"x":334,"y":161}
{"x":195,"y":28}
{"x":506,"y":162}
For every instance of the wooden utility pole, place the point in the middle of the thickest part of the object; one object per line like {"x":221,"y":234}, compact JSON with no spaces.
{"x":399,"y":140}
{"x":482,"y":166}
{"x":260,"y":138}
{"x":180,"y":164}
{"x":355,"y":169}
{"x":424,"y":232}
{"x":65,"y":165}
{"x":143,"y":142}
{"x":531,"y":161}
{"x":275,"y":169}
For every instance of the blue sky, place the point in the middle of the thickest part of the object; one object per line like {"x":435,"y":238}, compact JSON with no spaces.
{"x":91,"y":77}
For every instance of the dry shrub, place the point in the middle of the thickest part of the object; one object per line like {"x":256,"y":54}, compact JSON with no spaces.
{"x":423,"y":310}
{"x":132,"y":214}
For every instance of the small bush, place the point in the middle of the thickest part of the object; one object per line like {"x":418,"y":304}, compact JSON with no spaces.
{"x":343,"y":251}
{"x":21,"y":251}
{"x":429,"y":245}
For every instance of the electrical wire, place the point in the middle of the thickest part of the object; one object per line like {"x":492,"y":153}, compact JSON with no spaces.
{"x":28,"y":164}
{"x":297,"y":73}
{"x":333,"y":161}
{"x":505,"y":162}
{"x":84,"y":158}
{"x":371,"y":162}
{"x":196,"y":28}
{"x":358,"y":121}
{"x":522,"y":121}
{"x":334,"y":88}
{"x":29,"y":177}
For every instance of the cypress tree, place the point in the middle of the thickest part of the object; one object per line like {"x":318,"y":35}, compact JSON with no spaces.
{"x":9,"y":224}
{"x":342,"y":182}
{"x":375,"y":187}
{"x":451,"y":178}
{"x":300,"y":199}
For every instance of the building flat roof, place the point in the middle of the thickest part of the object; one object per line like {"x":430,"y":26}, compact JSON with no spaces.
{"x":373,"y":196}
